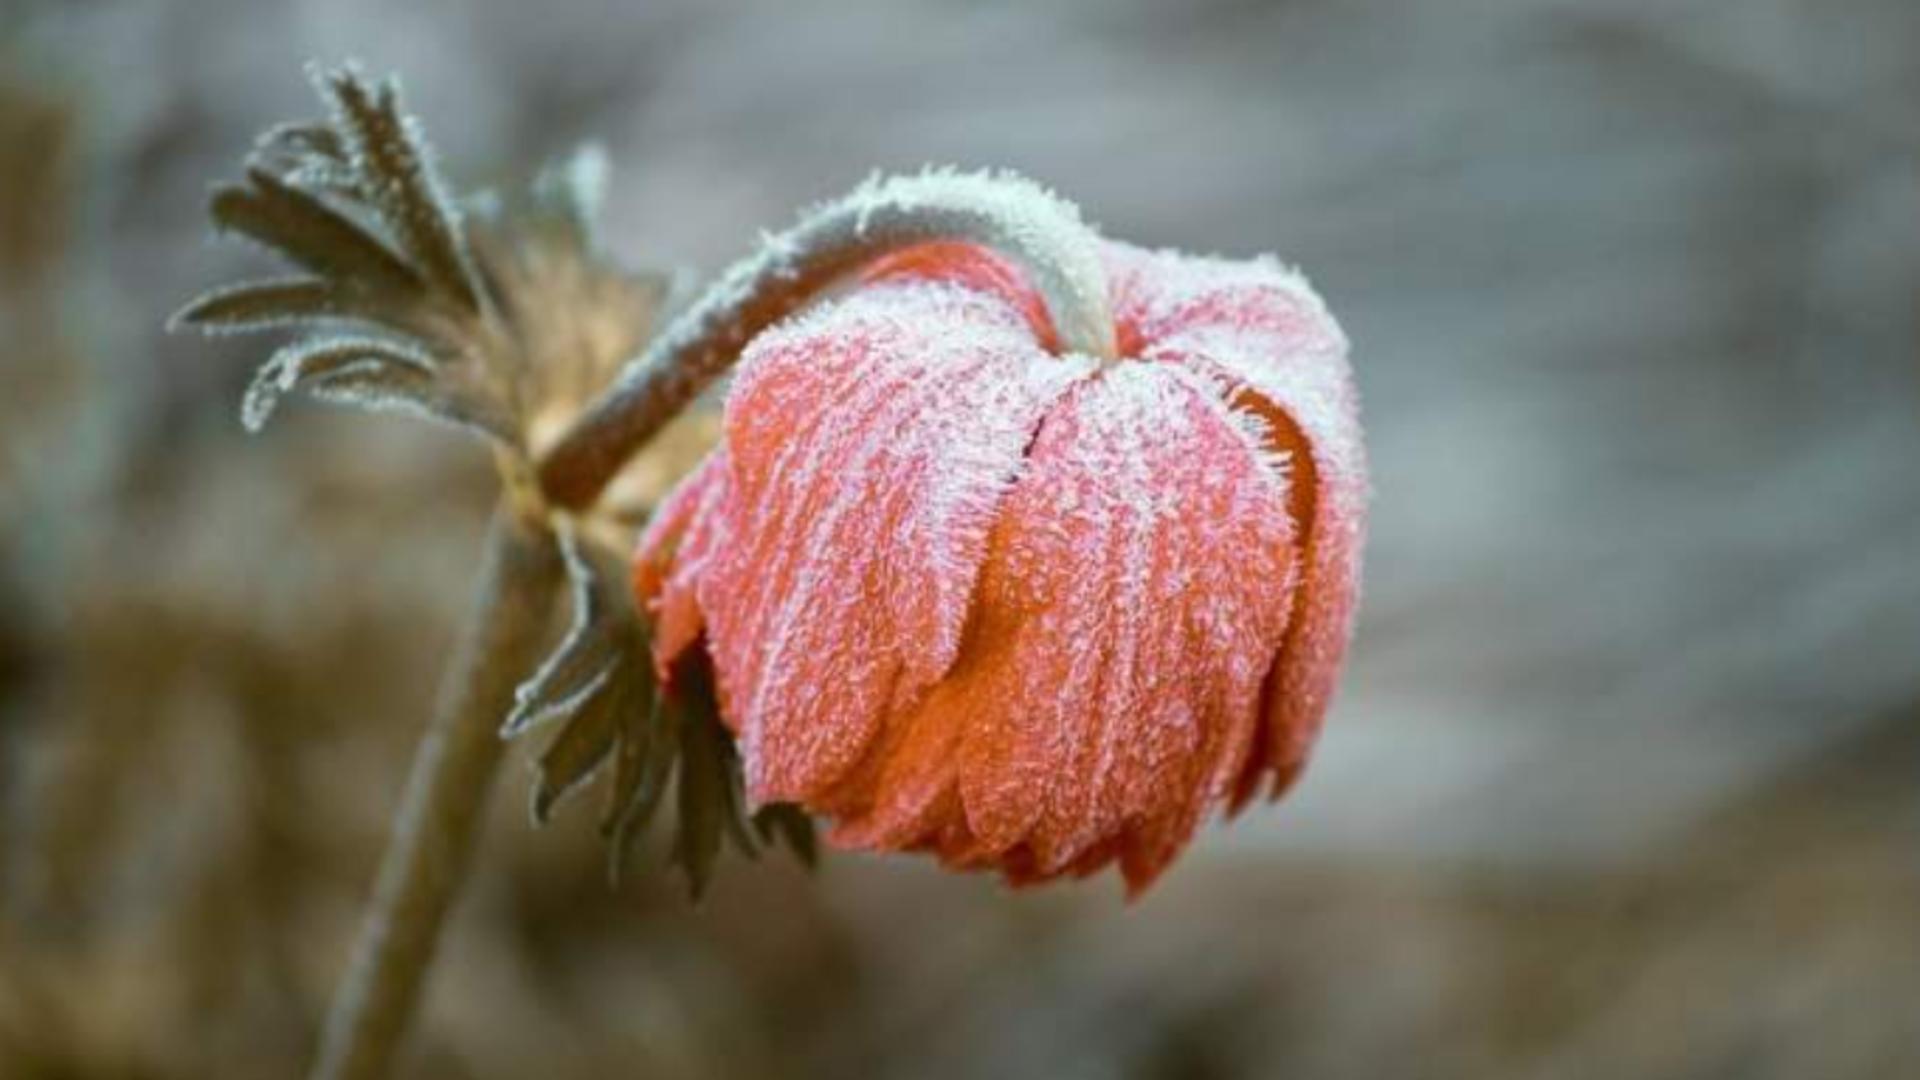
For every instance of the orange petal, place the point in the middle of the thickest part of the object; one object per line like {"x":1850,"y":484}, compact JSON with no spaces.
{"x":1261,"y":332}
{"x":870,"y":443}
{"x":977,"y":268}
{"x":1136,"y":587}
{"x":673,"y":552}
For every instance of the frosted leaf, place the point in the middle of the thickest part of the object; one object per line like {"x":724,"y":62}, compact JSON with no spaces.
{"x":306,"y":229}
{"x":259,"y":305}
{"x":575,"y":752}
{"x":391,"y":366}
{"x":596,"y":683}
{"x":398,"y":178}
{"x":600,"y":639}
{"x":680,"y":738}
{"x":373,"y":391}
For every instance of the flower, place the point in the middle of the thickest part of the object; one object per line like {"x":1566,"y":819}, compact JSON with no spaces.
{"x":1031,"y":612}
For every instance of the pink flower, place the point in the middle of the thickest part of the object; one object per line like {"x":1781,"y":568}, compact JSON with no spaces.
{"x":1027,"y":611}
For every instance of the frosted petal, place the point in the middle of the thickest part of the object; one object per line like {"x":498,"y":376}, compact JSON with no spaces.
{"x":674,"y":551}
{"x":957,"y":262}
{"x":1135,"y":590}
{"x":871,"y":443}
{"x":1258,"y":330}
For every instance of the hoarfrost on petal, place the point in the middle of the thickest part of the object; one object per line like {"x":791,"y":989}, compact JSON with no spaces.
{"x":1258,"y":332}
{"x":871,"y":443}
{"x":674,"y":552}
{"x":1137,"y":581}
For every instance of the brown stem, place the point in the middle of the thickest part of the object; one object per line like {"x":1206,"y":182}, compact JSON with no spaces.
{"x":1060,"y":252}
{"x":445,"y":799}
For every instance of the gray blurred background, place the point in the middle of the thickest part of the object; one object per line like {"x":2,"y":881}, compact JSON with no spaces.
{"x":1625,"y":778}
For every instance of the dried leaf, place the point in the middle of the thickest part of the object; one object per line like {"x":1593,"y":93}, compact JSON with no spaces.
{"x":397,"y":176}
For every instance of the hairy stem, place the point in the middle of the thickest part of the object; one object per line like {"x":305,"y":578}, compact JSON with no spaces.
{"x":445,"y":799}
{"x":1061,"y":254}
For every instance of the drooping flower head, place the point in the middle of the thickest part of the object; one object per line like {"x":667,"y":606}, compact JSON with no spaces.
{"x":1029,"y":611}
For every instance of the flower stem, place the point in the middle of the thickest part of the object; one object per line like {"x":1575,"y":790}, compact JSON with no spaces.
{"x":1045,"y":232}
{"x":445,"y":799}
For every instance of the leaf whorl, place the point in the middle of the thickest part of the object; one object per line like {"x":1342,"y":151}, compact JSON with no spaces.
{"x":599,"y":688}
{"x":396,"y":174}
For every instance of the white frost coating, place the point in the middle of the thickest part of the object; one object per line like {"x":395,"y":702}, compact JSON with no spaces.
{"x":1061,"y":253}
{"x":399,"y":176}
{"x":374,"y":374}
{"x":255,"y":305}
{"x":1002,"y":210}
{"x":320,"y":358}
{"x":1007,"y":211}
{"x":1027,"y":609}
{"x":872,"y":441}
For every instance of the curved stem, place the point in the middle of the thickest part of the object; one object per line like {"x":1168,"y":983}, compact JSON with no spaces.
{"x":1013,"y":215}
{"x":445,"y":800}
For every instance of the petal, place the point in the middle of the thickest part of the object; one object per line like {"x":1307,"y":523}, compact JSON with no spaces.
{"x":870,"y":445}
{"x":673,"y":552}
{"x":1135,"y":590}
{"x":1260,"y":330}
{"x":1158,"y":295}
{"x":907,"y":797}
{"x":977,"y":268}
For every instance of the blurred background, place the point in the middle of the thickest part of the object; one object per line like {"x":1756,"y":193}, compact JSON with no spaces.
{"x":1625,"y":777}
